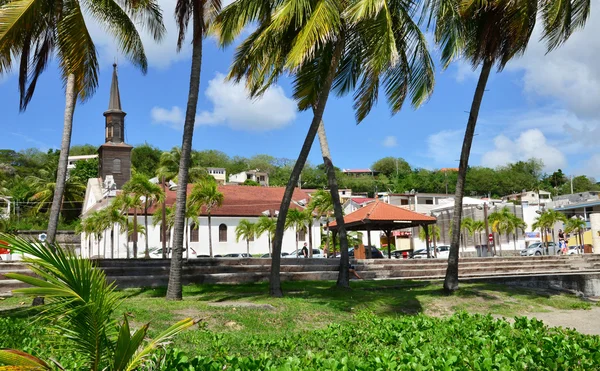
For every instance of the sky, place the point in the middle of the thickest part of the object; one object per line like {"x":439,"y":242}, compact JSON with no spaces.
{"x":541,"y":105}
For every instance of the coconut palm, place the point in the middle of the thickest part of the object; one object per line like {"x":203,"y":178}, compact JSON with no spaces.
{"x":295,"y":220}
{"x":328,"y":45}
{"x":467,"y":227}
{"x":575,"y":224}
{"x":478,"y":227}
{"x":501,"y":222}
{"x":553,"y":217}
{"x":81,"y":307}
{"x":44,"y":186}
{"x":518,"y":224}
{"x":34,"y":31}
{"x":169,"y":166}
{"x":114,"y":217}
{"x":245,"y":230}
{"x":205,"y":194}
{"x":170,"y":217}
{"x":266,"y":225}
{"x":433,"y":232}
{"x":321,"y":204}
{"x":489,"y":33}
{"x":201,"y":12}
{"x":140,"y":187}
{"x":126,"y":201}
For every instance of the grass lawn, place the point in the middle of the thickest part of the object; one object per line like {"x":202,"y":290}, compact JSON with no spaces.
{"x":231,"y":316}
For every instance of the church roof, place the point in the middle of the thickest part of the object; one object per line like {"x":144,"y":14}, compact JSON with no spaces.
{"x":245,"y":201}
{"x":114,"y":102}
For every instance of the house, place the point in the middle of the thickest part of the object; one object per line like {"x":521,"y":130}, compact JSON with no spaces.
{"x":239,"y":203}
{"x":258,"y":176}
{"x":540,"y":197}
{"x":355,"y":203}
{"x":73,"y":160}
{"x":360,"y":172}
{"x":5,"y":202}
{"x":419,"y":202}
{"x":219,"y":173}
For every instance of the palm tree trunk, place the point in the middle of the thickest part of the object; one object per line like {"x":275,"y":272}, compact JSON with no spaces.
{"x":275,"y":279}
{"x":269,"y":240}
{"x":210,"y":250}
{"x":89,"y":247}
{"x":147,"y":251}
{"x":63,"y":160}
{"x":127,"y":235}
{"x":163,"y":224}
{"x":135,"y":234}
{"x":297,"y":240}
{"x":112,"y":242}
{"x":344,"y":275}
{"x":187,"y":245}
{"x":248,"y":247}
{"x":451,"y":280}
{"x":174,"y":289}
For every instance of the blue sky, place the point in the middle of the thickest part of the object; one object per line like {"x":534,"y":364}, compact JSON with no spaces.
{"x":543,"y":106}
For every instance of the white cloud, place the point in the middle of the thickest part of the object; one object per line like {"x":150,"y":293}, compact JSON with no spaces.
{"x":591,"y":167}
{"x":444,"y":146}
{"x":465,"y":71}
{"x":232,"y":107}
{"x":390,"y":141}
{"x":530,"y":144}
{"x":173,"y":117}
{"x":570,"y":73}
{"x":42,"y":146}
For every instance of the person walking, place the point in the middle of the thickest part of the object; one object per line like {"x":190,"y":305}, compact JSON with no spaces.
{"x":561,"y":241}
{"x":305,"y":251}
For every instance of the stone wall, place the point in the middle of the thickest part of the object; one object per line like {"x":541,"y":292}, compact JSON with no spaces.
{"x":66,"y":239}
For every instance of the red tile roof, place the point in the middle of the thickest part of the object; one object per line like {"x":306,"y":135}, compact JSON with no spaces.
{"x":244,"y":201}
{"x":362,"y":200}
{"x":380,"y":211}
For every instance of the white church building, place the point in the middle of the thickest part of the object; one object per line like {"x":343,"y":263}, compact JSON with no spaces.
{"x":240,"y":202}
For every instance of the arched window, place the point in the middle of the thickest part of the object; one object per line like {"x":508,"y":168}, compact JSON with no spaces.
{"x":116,"y":168}
{"x":194,"y":232}
{"x":222,"y":233}
{"x":302,"y":234}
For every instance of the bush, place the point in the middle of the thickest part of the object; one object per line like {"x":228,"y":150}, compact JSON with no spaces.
{"x":461,"y":342}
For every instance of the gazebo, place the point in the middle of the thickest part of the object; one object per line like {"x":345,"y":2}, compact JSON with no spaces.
{"x":382,"y":216}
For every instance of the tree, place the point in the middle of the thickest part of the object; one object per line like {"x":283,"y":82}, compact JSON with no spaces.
{"x":206,"y":194}
{"x":489,"y":33}
{"x":519,"y":224}
{"x":201,"y":12}
{"x":169,"y":167}
{"x":501,"y":222}
{"x":251,"y":183}
{"x":44,"y":188}
{"x":575,"y":224}
{"x":468,"y":227}
{"x":83,"y":150}
{"x":85,"y":170}
{"x":478,"y":227}
{"x":81,"y":308}
{"x":145,"y":159}
{"x":392,"y":167}
{"x":557,"y":178}
{"x":551,"y":218}
{"x":322,"y":204}
{"x":331,"y":45}
{"x":433,"y":232}
{"x":296,"y":220}
{"x":37,"y":30}
{"x":266,"y":225}
{"x":126,"y":201}
{"x":140,"y":187}
{"x":245,"y":230}
{"x":113,"y":216}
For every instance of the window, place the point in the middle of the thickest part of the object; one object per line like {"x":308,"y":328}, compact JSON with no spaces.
{"x":403,"y":202}
{"x":533,"y":195}
{"x":428,"y":202}
{"x":194,"y":233}
{"x":302,"y":234}
{"x":222,"y":233}
{"x":116,"y":168}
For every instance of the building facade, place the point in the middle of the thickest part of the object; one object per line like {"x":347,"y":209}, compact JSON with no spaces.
{"x":257,"y":176}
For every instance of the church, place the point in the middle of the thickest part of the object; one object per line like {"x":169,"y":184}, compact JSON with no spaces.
{"x":240,"y":202}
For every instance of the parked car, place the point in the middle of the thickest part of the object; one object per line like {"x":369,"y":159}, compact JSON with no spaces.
{"x":269,"y":255}
{"x":375,"y":254}
{"x":236,"y":255}
{"x":316,"y":253}
{"x":536,"y":249}
{"x":442,"y":253}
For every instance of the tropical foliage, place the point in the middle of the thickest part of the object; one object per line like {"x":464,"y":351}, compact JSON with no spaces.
{"x":266,"y":225}
{"x":245,"y":230}
{"x":205,"y":196}
{"x":80,"y":306}
{"x":577,"y":226}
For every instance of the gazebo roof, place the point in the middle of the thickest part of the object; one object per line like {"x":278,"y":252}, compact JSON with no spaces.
{"x":381,"y":215}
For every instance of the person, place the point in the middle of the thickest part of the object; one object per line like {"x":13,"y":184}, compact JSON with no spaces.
{"x":561,"y":239}
{"x":305,"y":251}
{"x":326,"y":249}
{"x":352,"y":270}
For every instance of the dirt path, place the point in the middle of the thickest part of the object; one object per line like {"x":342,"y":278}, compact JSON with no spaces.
{"x":584,"y":321}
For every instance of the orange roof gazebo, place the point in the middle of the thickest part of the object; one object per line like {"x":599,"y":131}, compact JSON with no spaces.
{"x":382,"y":216}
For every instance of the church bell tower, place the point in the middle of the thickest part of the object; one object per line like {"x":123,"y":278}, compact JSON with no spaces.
{"x":115,"y":155}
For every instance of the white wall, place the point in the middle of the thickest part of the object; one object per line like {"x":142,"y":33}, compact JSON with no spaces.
{"x":258,"y":246}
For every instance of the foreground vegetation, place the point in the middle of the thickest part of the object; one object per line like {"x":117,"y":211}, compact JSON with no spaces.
{"x":383,"y":324}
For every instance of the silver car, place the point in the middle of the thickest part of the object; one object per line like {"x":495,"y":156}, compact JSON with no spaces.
{"x":536,"y":249}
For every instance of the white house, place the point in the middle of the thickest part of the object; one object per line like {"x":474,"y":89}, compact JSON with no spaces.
{"x":255,"y":175}
{"x":72,"y":160}
{"x":219,"y":173}
{"x":238,"y":203}
{"x":530,"y":197}
{"x":355,"y":203}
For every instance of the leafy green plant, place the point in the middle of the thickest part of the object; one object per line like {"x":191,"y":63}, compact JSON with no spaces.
{"x":80,"y":307}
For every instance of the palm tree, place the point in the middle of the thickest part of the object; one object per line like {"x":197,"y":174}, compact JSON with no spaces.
{"x":206,"y":194}
{"x":266,"y":225}
{"x":478,"y":227}
{"x":142,"y":188}
{"x":81,"y":308}
{"x":518,"y":224}
{"x":575,"y":224}
{"x":126,"y":201}
{"x":170,"y":217}
{"x":169,"y":166}
{"x":44,"y":186}
{"x":321,"y":203}
{"x":295,"y":220}
{"x":113,"y":216}
{"x":246,"y":231}
{"x":501,"y":222}
{"x":202,"y":12}
{"x":467,"y":226}
{"x":37,"y":30}
{"x":433,"y":231}
{"x":553,"y":217}
{"x":488,"y":33}
{"x":328,"y":45}
{"x":96,"y":223}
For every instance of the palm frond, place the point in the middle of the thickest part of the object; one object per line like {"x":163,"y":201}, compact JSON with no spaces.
{"x":561,"y":18}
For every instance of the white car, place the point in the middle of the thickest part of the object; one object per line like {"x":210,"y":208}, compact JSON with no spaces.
{"x":317,"y":253}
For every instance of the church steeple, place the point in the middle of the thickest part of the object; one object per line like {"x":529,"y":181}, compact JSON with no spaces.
{"x":115,"y":155}
{"x":115,"y":117}
{"x":114,"y":104}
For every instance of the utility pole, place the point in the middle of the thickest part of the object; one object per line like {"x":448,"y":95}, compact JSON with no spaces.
{"x":571,"y":184}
